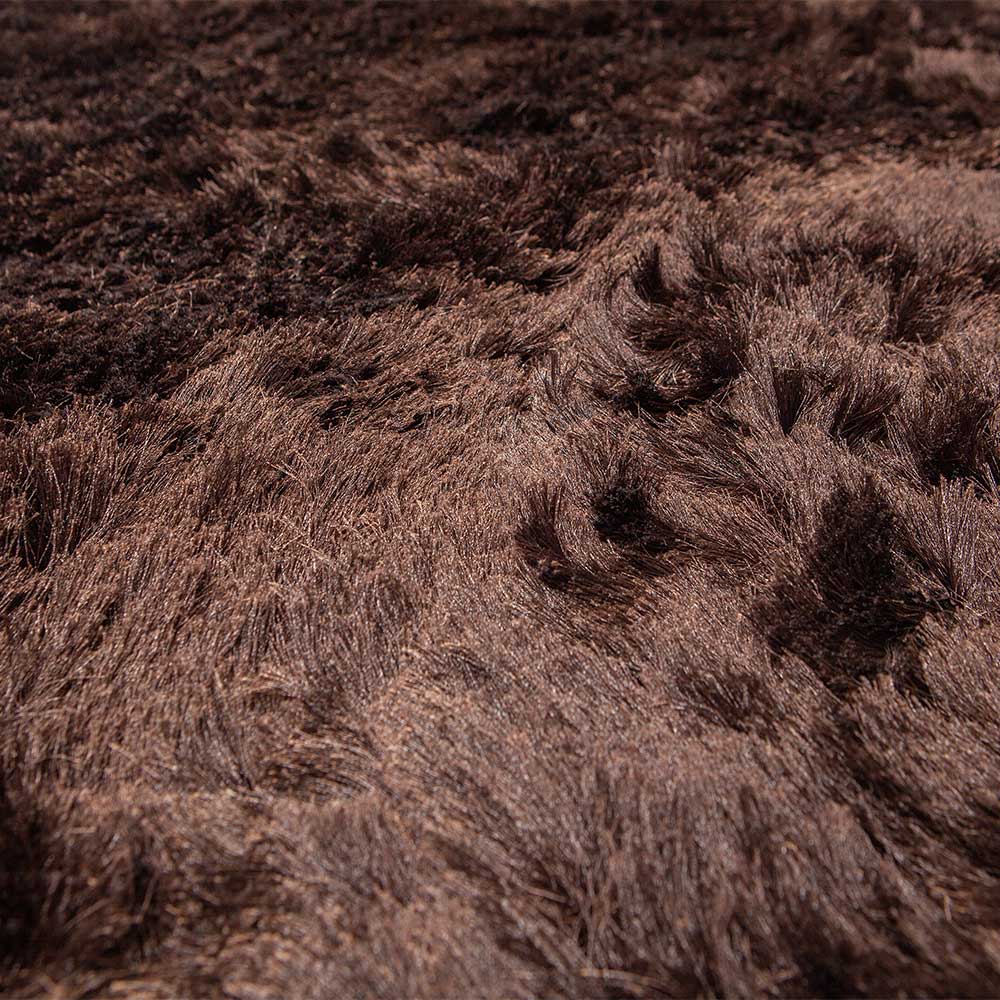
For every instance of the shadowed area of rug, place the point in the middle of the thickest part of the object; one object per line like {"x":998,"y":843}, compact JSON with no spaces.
{"x":499,"y":500}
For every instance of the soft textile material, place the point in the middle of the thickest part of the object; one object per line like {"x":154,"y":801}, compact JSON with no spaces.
{"x":499,"y":500}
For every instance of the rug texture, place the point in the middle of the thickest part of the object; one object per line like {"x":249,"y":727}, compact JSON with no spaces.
{"x":499,"y":500}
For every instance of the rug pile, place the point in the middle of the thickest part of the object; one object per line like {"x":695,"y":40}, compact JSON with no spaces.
{"x":499,"y":500}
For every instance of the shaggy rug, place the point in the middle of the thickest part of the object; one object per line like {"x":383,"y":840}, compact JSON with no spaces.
{"x":499,"y":500}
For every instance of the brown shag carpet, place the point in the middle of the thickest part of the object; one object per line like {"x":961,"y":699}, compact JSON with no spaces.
{"x":499,"y":500}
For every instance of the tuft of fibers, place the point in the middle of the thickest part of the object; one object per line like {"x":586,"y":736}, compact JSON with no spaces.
{"x":499,"y":500}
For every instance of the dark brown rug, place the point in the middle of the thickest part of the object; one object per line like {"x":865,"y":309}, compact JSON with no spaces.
{"x":499,"y":500}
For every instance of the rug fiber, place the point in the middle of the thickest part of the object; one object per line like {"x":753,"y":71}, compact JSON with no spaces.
{"x":499,"y":500}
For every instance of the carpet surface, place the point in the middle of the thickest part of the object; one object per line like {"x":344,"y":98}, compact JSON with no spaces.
{"x":499,"y":500}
